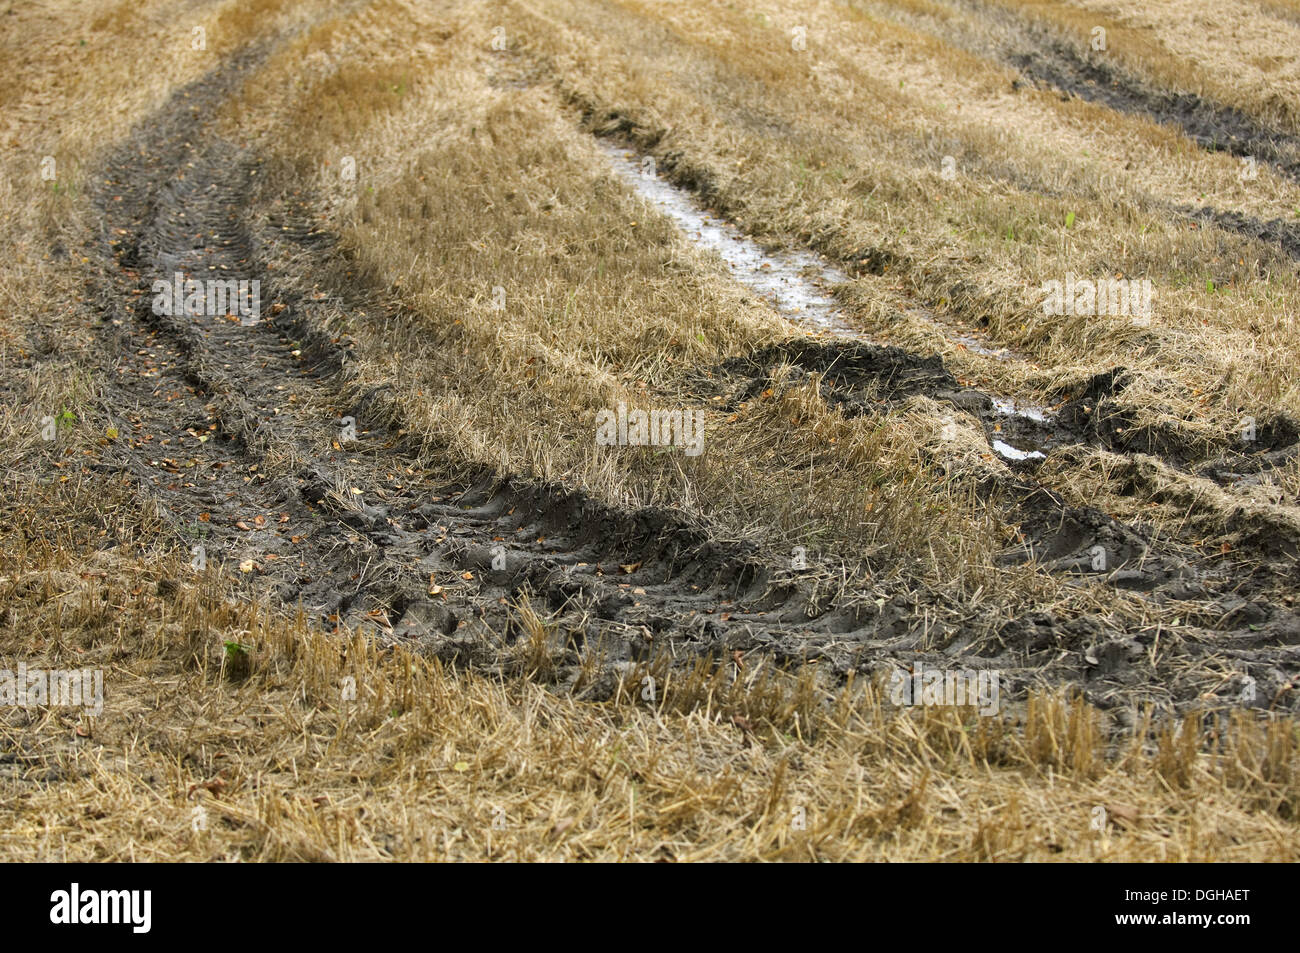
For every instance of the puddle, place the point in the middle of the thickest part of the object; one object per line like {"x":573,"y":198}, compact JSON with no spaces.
{"x":1010,"y":407}
{"x":791,"y":281}
{"x":1011,"y":453}
{"x":794,"y":283}
{"x":1030,"y":425}
{"x":779,"y":277}
{"x":979,"y":347}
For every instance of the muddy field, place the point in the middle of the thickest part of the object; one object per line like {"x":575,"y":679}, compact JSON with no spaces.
{"x":471,"y":245}
{"x":359,"y":534}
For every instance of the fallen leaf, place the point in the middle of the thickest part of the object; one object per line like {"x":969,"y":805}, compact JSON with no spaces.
{"x":214,"y":785}
{"x":1124,"y":814}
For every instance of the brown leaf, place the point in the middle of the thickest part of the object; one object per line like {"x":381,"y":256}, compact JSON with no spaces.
{"x":213,"y":785}
{"x":1125,"y":814}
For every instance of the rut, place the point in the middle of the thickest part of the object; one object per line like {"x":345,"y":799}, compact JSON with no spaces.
{"x":235,"y":426}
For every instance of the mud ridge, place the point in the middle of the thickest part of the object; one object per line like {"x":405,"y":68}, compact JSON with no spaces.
{"x":1047,"y":59}
{"x":1276,"y":231}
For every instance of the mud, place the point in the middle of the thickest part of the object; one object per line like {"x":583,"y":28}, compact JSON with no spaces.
{"x":235,"y":431}
{"x":858,"y":376}
{"x":1276,"y":232}
{"x":1047,"y":60}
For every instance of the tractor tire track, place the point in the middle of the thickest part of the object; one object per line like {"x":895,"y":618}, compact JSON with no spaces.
{"x":234,"y":428}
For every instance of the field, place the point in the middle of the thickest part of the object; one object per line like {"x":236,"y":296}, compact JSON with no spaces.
{"x":578,"y":430}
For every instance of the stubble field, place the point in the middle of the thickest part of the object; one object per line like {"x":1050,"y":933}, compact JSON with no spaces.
{"x":969,"y":329}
